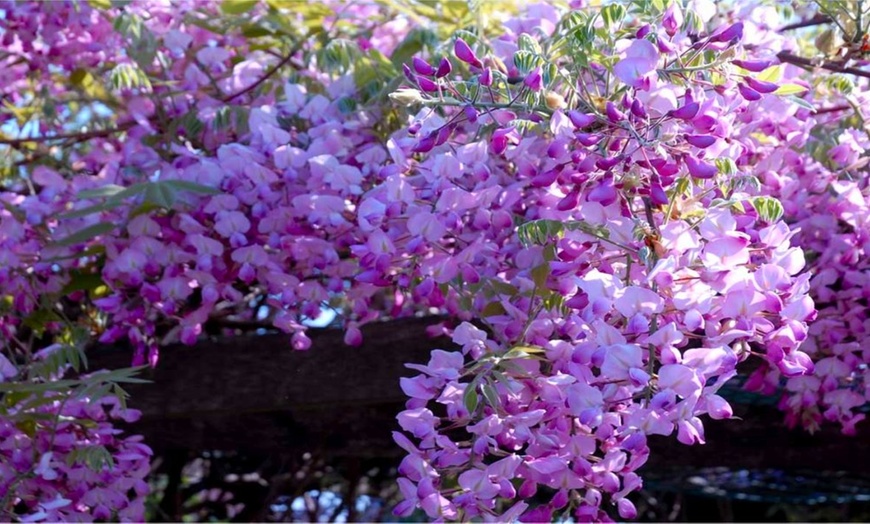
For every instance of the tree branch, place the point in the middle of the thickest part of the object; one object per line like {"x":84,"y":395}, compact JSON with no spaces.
{"x":810,"y":22}
{"x":284,"y":61}
{"x":827,"y":65}
{"x":77,"y":137}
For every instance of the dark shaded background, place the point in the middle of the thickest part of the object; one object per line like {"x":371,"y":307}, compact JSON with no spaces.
{"x":246,"y":429}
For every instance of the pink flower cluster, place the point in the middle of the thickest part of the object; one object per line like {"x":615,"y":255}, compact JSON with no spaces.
{"x":606,"y":261}
{"x":828,"y":204}
{"x":45,"y":474}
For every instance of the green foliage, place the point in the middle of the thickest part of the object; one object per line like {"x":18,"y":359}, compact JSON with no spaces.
{"x":161,"y":193}
{"x":540,"y":232}
{"x":769,"y":209}
{"x":129,"y":76}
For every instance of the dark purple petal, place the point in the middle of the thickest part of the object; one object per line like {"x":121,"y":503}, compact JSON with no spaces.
{"x":426,"y":144}
{"x":643,"y":31}
{"x":760,"y":85}
{"x":657,"y":195}
{"x":687,"y":112}
{"x":701,"y":141}
{"x":699,"y":169}
{"x":733,"y":32}
{"x":570,"y":201}
{"x":748,"y":93}
{"x":444,"y":68}
{"x":534,"y":80}
{"x":756,"y":66}
{"x":581,"y":120}
{"x":588,"y":139}
{"x":463,"y":52}
{"x":408,"y":73}
{"x":427,"y":85}
{"x":485,"y":78}
{"x":422,"y":67}
{"x":614,"y":114}
{"x":638,"y":110}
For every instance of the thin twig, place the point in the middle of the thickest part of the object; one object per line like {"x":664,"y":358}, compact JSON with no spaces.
{"x":286,"y":60}
{"x":77,"y":137}
{"x":810,"y":22}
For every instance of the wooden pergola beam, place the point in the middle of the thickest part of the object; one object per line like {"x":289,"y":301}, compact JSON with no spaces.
{"x":254,"y":394}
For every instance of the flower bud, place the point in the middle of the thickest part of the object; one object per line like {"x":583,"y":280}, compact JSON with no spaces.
{"x":570,"y":201}
{"x":353,"y":336}
{"x":498,"y":142}
{"x":588,"y":139}
{"x":687,"y":112}
{"x":755,"y":66}
{"x":408,"y":73}
{"x":426,"y":144}
{"x":748,"y":93}
{"x":760,"y":85}
{"x":534,"y":80}
{"x":643,"y":31}
{"x":485,"y":78}
{"x":443,"y":134}
{"x":702,"y":141}
{"x":613,"y":114}
{"x":300,"y":341}
{"x":664,"y":46}
{"x":733,"y":33}
{"x":470,"y":114}
{"x":406,"y":96}
{"x":444,"y":68}
{"x":626,"y":509}
{"x":422,"y":67}
{"x":427,"y":85}
{"x":581,"y":120}
{"x":638,"y":110}
{"x":463,"y":52}
{"x":699,"y":169}
{"x":673,"y":19}
{"x":657,"y":195}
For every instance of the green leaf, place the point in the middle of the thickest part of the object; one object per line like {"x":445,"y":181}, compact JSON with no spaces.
{"x":256,"y":31}
{"x":490,"y":394}
{"x":540,"y":274}
{"x":789,"y":89}
{"x":493,"y":309}
{"x":769,"y":209}
{"x":527,"y":43}
{"x":37,"y":387}
{"x":100,"y":4}
{"x":160,"y":194}
{"x":470,"y":398}
{"x":526,"y":61}
{"x":726,"y":166}
{"x":612,"y":14}
{"x":129,"y":76}
{"x":86,"y":234}
{"x":85,"y":211}
{"x":81,"y":281}
{"x":237,"y":7}
{"x":801,"y":102}
{"x":771,"y":74}
{"x":109,"y":190}
{"x":39,"y":318}
{"x":193,"y":187}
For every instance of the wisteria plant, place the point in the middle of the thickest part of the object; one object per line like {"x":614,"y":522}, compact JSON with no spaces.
{"x":616,"y":209}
